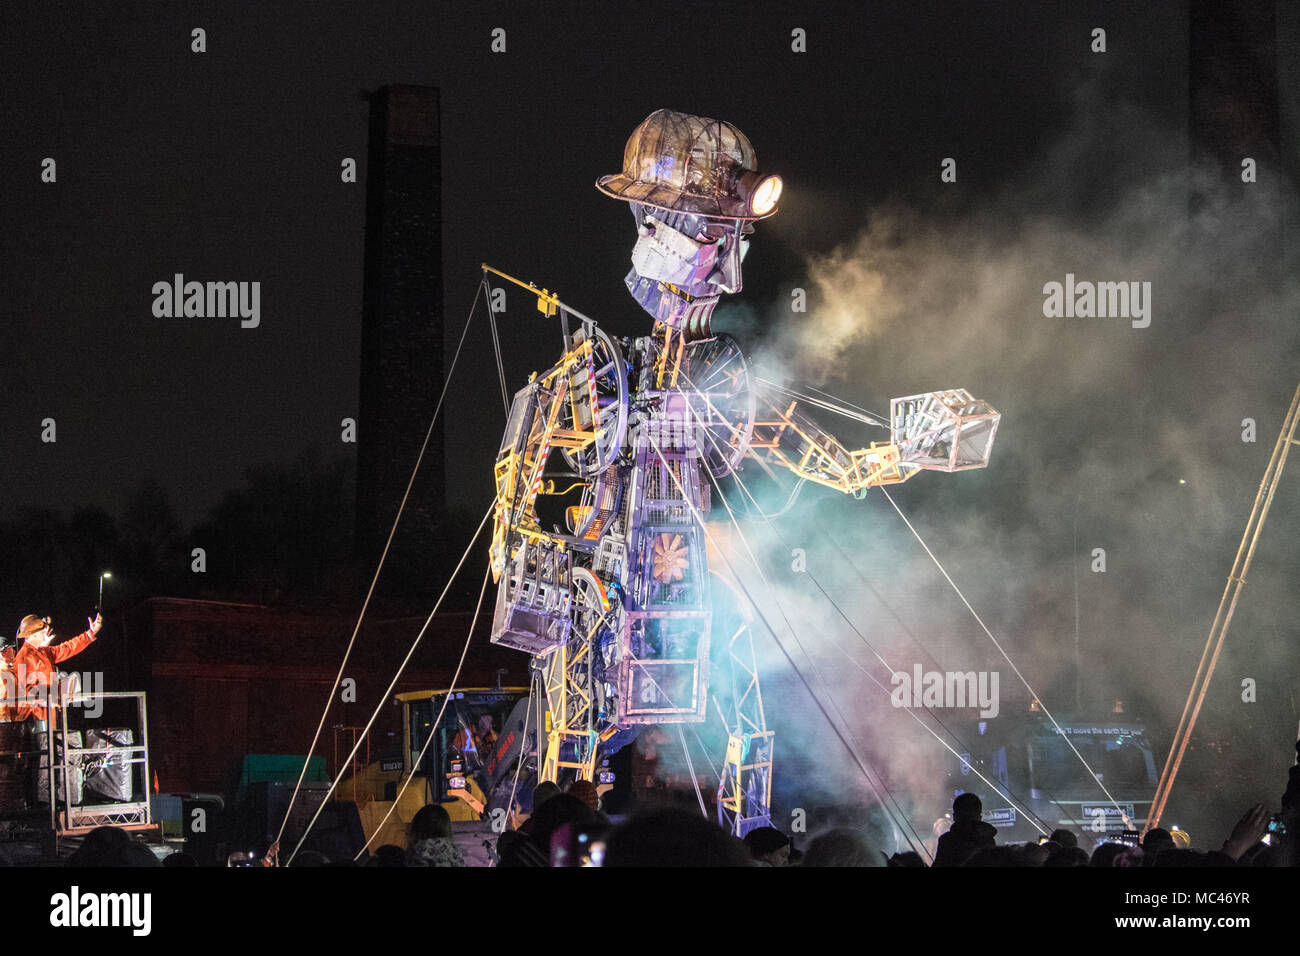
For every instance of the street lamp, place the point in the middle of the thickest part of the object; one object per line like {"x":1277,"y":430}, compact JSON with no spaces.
{"x":106,"y":574}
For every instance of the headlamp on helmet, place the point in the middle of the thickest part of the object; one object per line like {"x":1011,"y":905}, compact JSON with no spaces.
{"x":760,"y":192}
{"x":681,"y":163}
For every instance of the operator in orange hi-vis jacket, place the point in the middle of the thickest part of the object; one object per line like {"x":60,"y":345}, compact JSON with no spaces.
{"x":28,"y":669}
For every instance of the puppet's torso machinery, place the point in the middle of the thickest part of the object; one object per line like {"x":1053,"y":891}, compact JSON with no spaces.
{"x":617,"y":605}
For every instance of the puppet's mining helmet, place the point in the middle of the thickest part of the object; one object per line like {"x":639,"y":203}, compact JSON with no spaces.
{"x":680,"y":163}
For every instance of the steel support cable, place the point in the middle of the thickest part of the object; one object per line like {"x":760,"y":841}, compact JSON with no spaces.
{"x":880,"y":419}
{"x":1006,"y":657}
{"x":383,"y":700}
{"x":484,"y":286}
{"x":650,"y":677}
{"x":496,"y":344}
{"x":863,"y":639}
{"x":671,"y":703}
{"x":704,"y":751}
{"x":904,"y":826}
{"x":1005,"y":792}
{"x":329,"y":701}
{"x":830,"y":696}
{"x":786,"y":654}
{"x":754,"y":559}
{"x":830,"y":403}
{"x":690,"y":768}
{"x":792,"y":496}
{"x":916,"y":641}
{"x":1234,"y":585}
{"x":928,"y":710}
{"x":1007,"y":795}
{"x":437,"y":720}
{"x":533,"y":682}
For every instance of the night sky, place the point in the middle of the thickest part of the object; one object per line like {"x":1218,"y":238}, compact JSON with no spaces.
{"x":225,"y":166}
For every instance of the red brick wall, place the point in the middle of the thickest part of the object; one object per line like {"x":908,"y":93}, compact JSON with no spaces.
{"x":225,"y":680}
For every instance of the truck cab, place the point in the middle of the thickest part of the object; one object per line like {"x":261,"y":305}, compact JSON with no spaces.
{"x":1034,"y":769}
{"x":482,"y":736}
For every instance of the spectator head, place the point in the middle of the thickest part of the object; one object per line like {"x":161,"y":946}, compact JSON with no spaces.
{"x":111,"y":847}
{"x":1064,"y":838}
{"x":103,"y":846}
{"x":1156,"y":839}
{"x":617,"y":802}
{"x":999,"y":856}
{"x":585,"y":791}
{"x":514,"y":848}
{"x":1066,"y":856}
{"x":967,"y":807}
{"x":673,"y":838}
{"x":430,"y":823}
{"x":1172,"y":856}
{"x":842,"y":847}
{"x":543,"y":792}
{"x":1035,"y":854}
{"x":908,"y":859}
{"x":1106,"y":853}
{"x":768,"y":845}
{"x":137,"y":854}
{"x":574,"y":844}
{"x":1153,"y":843}
{"x":1131,"y":857}
{"x":388,"y":855}
{"x":555,"y":813}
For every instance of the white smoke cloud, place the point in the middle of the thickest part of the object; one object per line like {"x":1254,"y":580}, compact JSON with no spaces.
{"x":1100,"y":422}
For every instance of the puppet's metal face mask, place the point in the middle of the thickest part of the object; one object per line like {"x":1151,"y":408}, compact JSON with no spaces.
{"x":683,"y":262}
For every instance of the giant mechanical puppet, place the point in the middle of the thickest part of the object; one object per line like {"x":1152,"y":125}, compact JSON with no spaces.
{"x":617,"y":607}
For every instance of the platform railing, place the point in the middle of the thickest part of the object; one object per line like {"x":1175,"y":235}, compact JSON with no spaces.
{"x":72,"y":819}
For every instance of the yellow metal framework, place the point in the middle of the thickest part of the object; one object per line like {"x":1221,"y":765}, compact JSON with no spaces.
{"x":548,"y":303}
{"x":745,"y":790}
{"x":519,"y":473}
{"x":783,"y":436}
{"x":668,"y":362}
{"x":571,"y":710}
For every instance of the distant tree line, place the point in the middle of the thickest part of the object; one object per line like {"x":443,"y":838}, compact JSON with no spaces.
{"x":285,"y":535}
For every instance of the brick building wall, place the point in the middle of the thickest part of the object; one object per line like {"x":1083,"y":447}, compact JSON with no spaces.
{"x":224,"y":680}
